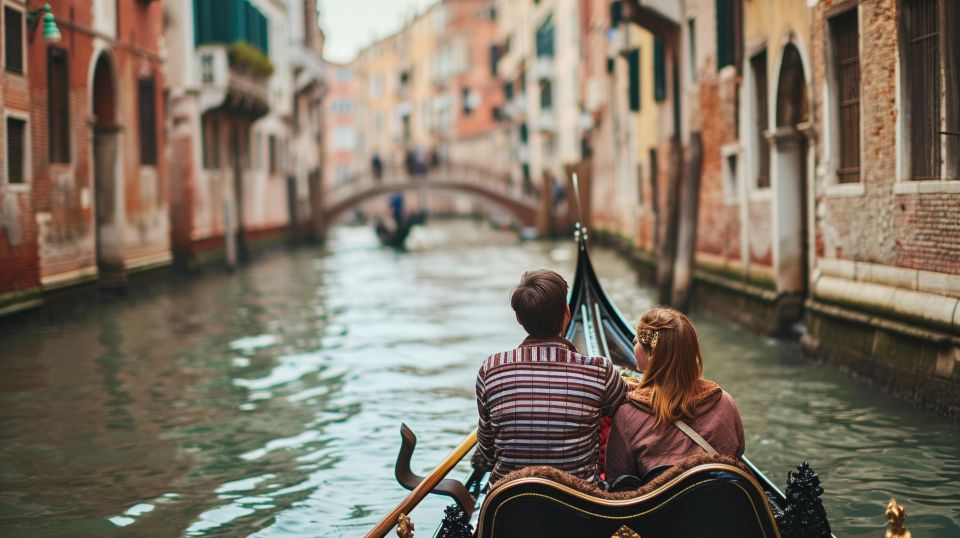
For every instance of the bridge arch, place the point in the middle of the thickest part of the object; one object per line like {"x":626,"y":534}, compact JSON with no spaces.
{"x":485,"y":186}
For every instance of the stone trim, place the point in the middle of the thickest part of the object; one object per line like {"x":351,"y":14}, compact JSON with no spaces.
{"x":918,"y":307}
{"x":19,"y":300}
{"x":889,"y":275}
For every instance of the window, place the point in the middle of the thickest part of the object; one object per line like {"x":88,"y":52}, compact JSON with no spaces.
{"x":545,"y":37}
{"x":730,"y":174}
{"x":726,"y":33}
{"x":257,"y":153}
{"x":494,"y":58}
{"x":465,"y":101}
{"x":148,"y":120}
{"x":758,"y":68}
{"x":640,"y":185}
{"x":633,"y":62}
{"x":16,"y":151}
{"x":211,"y":143}
{"x":272,"y":157}
{"x":13,"y":39}
{"x":616,"y":13}
{"x":58,"y":104}
{"x":929,"y":60}
{"x":846,"y":71}
{"x":692,"y":40}
{"x":659,"y":70}
{"x":546,"y":95}
{"x":654,"y":172}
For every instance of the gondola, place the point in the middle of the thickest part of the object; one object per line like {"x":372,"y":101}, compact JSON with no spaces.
{"x":704,"y":496}
{"x":396,"y":237}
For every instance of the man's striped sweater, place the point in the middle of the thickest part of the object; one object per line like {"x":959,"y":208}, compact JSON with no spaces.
{"x":541,"y":404}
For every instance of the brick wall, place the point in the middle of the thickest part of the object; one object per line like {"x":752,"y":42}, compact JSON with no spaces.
{"x":718,"y":230}
{"x":916,"y":231}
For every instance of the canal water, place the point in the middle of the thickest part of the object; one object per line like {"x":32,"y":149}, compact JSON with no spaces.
{"x":268,"y":402}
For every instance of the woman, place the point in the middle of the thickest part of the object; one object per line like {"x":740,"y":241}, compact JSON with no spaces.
{"x":648,"y":430}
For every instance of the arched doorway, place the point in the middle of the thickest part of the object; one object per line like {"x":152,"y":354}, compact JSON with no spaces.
{"x":789,"y":184}
{"x":108,"y":206}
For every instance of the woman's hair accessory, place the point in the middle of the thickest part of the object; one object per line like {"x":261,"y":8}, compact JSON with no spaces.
{"x":649,"y":337}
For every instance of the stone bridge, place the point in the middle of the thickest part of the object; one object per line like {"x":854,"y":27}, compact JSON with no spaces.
{"x":527,"y":209}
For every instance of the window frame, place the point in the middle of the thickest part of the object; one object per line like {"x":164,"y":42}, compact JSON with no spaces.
{"x":25,"y":185}
{"x":23,"y":72}
{"x":61,"y":126}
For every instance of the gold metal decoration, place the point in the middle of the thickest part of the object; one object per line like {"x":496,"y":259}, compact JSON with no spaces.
{"x":895,"y":516}
{"x":404,"y":526}
{"x":625,"y":532}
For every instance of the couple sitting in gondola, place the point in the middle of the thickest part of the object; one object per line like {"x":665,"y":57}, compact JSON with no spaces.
{"x":545,"y":404}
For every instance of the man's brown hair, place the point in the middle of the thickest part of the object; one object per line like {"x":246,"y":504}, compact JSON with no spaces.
{"x":540,"y":302}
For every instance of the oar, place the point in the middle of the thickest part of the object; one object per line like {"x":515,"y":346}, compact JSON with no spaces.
{"x":414,"y":497}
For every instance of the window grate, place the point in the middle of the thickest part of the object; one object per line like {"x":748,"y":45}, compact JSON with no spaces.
{"x":921,"y":39}
{"x":846,"y":55}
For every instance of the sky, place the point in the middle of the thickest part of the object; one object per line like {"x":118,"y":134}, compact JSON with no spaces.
{"x":350,"y":25}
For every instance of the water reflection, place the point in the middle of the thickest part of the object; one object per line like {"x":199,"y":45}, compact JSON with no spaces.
{"x":268,"y":402}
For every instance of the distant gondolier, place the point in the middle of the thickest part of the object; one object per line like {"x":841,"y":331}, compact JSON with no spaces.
{"x":396,"y":207}
{"x":376,"y":167}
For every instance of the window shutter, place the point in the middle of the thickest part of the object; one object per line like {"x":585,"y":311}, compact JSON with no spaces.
{"x":616,"y":13}
{"x":659,"y":70}
{"x":58,"y":105}
{"x":148,"y":121}
{"x":16,"y":150}
{"x":725,"y":33}
{"x":633,"y":61}
{"x":13,"y":43}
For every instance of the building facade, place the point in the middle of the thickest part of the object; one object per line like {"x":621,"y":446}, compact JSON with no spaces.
{"x":342,"y":141}
{"x":242,"y":76}
{"x":885,"y":249}
{"x":84,"y":185}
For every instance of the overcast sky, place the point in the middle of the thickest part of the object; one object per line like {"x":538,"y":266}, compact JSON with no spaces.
{"x":350,"y":25}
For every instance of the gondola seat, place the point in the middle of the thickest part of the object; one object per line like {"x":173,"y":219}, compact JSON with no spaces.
{"x":705,"y":495}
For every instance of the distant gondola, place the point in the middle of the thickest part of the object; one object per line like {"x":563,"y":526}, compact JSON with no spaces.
{"x":396,"y":237}
{"x":702,"y":496}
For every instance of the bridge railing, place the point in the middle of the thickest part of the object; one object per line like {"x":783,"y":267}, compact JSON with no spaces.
{"x":448,"y":172}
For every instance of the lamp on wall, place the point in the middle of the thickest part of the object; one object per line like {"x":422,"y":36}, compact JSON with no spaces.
{"x":51,"y":33}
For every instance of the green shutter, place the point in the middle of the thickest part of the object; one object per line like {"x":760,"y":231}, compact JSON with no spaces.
{"x":725,"y":29}
{"x":633,"y":60}
{"x":659,"y":70}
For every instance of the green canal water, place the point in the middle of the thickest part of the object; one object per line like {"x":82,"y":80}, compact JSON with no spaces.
{"x":268,"y":402}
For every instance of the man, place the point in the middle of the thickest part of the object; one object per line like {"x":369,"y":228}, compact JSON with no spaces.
{"x":541,"y":404}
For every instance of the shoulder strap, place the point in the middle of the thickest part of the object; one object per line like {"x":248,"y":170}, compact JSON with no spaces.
{"x":686,"y":429}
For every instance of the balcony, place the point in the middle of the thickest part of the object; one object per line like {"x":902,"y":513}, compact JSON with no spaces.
{"x":516,"y":108}
{"x":307,"y":66}
{"x":229,"y":82}
{"x":232,"y":42}
{"x":543,"y":68}
{"x":547,"y":121}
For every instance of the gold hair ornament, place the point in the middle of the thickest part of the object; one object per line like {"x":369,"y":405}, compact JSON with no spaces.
{"x":649,"y":338}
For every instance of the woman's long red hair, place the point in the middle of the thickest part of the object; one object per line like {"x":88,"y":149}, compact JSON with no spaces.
{"x":675,"y":365}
